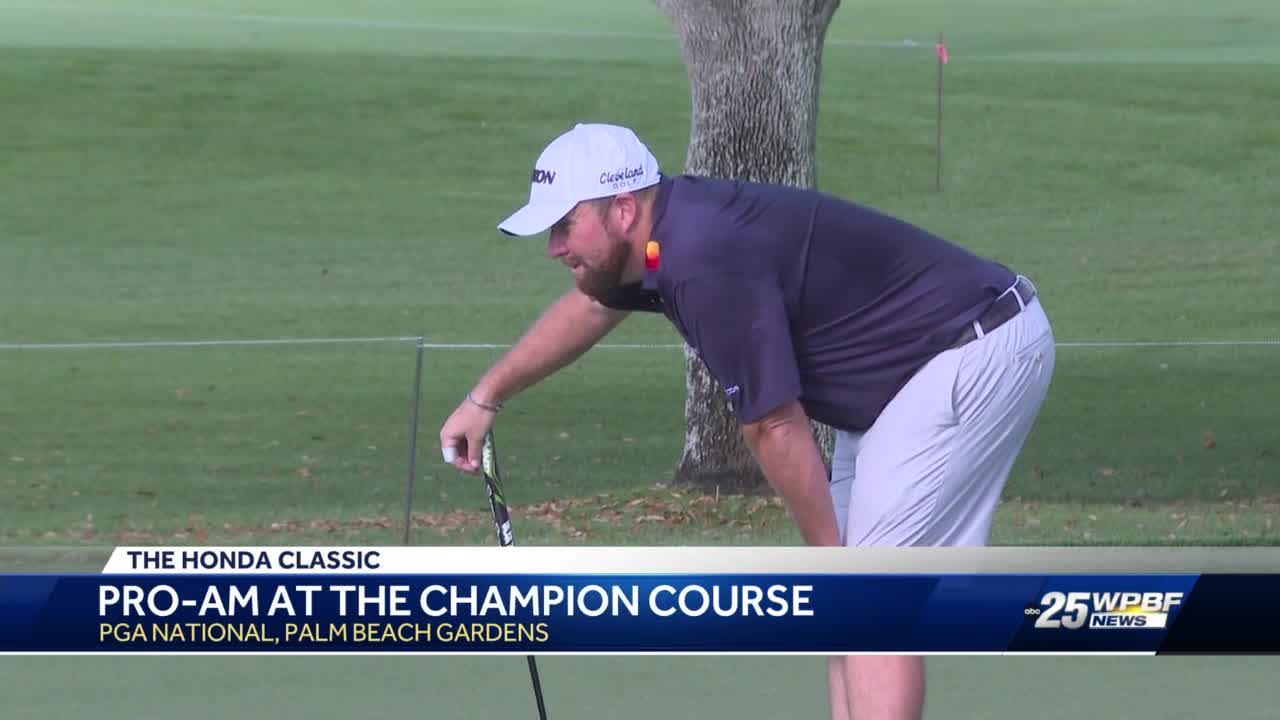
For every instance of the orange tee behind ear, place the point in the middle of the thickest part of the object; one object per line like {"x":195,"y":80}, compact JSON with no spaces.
{"x":652,"y":254}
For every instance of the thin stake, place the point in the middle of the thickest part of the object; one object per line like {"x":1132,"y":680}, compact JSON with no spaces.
{"x":941,"y":53}
{"x":413,"y":439}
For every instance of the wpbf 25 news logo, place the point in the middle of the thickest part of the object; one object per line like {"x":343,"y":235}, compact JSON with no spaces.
{"x":1104,"y":610}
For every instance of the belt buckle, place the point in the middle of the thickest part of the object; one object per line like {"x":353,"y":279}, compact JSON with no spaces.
{"x":1021,"y":296}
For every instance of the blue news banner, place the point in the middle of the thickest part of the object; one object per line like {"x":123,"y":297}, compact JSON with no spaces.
{"x":825,"y":613}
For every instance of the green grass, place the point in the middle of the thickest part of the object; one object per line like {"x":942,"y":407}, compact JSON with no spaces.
{"x":236,"y":170}
{"x":268,"y":168}
{"x":593,"y":687}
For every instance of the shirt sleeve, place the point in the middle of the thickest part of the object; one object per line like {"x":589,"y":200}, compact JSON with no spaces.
{"x":741,"y":331}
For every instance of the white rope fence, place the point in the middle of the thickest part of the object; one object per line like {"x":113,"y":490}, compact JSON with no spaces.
{"x":421,"y":346}
{"x":288,"y":341}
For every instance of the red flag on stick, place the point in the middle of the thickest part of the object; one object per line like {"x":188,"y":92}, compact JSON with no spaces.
{"x":943,"y":57}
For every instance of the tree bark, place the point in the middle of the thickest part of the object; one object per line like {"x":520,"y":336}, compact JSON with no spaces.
{"x":754,"y":71}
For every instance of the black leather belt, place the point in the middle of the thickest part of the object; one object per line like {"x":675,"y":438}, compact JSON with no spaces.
{"x":1002,"y":310}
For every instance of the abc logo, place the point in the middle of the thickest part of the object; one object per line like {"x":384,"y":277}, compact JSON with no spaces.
{"x":1031,"y":610}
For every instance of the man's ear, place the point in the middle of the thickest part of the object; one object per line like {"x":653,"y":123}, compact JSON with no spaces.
{"x":627,"y":209}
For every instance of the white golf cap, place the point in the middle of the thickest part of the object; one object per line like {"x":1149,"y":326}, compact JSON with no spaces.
{"x":590,"y":161}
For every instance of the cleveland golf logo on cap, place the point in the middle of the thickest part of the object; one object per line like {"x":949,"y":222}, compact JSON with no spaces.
{"x":622,"y":178}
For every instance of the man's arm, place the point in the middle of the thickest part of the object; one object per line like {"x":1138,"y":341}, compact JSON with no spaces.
{"x":561,"y":335}
{"x":570,"y":327}
{"x":749,"y":351}
{"x":783,"y":444}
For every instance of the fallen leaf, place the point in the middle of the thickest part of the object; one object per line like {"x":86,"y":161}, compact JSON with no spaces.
{"x":1209,"y":441}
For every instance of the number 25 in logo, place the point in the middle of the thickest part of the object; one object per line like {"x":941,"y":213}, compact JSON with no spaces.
{"x":1075,"y":604}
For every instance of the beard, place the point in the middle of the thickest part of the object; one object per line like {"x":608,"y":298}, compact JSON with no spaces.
{"x":600,"y":279}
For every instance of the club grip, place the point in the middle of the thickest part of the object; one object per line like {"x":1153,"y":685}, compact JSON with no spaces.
{"x":493,"y":484}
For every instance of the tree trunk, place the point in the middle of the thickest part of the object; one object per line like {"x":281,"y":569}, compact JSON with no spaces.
{"x":754,"y":70}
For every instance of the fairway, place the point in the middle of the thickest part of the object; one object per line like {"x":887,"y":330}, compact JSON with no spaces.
{"x":200,"y":173}
{"x":634,"y":688}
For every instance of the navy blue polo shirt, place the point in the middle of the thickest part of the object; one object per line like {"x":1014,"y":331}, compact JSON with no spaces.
{"x":788,"y":293}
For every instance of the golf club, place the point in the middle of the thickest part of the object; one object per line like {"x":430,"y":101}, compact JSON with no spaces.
{"x":502,"y":526}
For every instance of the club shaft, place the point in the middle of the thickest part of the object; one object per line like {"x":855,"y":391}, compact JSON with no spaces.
{"x":537,"y":688}
{"x":506,"y":538}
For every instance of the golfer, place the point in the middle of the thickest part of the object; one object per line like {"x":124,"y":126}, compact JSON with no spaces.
{"x":930,"y":362}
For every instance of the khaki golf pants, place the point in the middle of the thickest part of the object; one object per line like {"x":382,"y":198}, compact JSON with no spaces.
{"x":931,"y":468}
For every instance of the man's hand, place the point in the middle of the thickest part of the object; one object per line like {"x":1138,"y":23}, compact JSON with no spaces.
{"x":462,"y":435}
{"x":783,"y":444}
